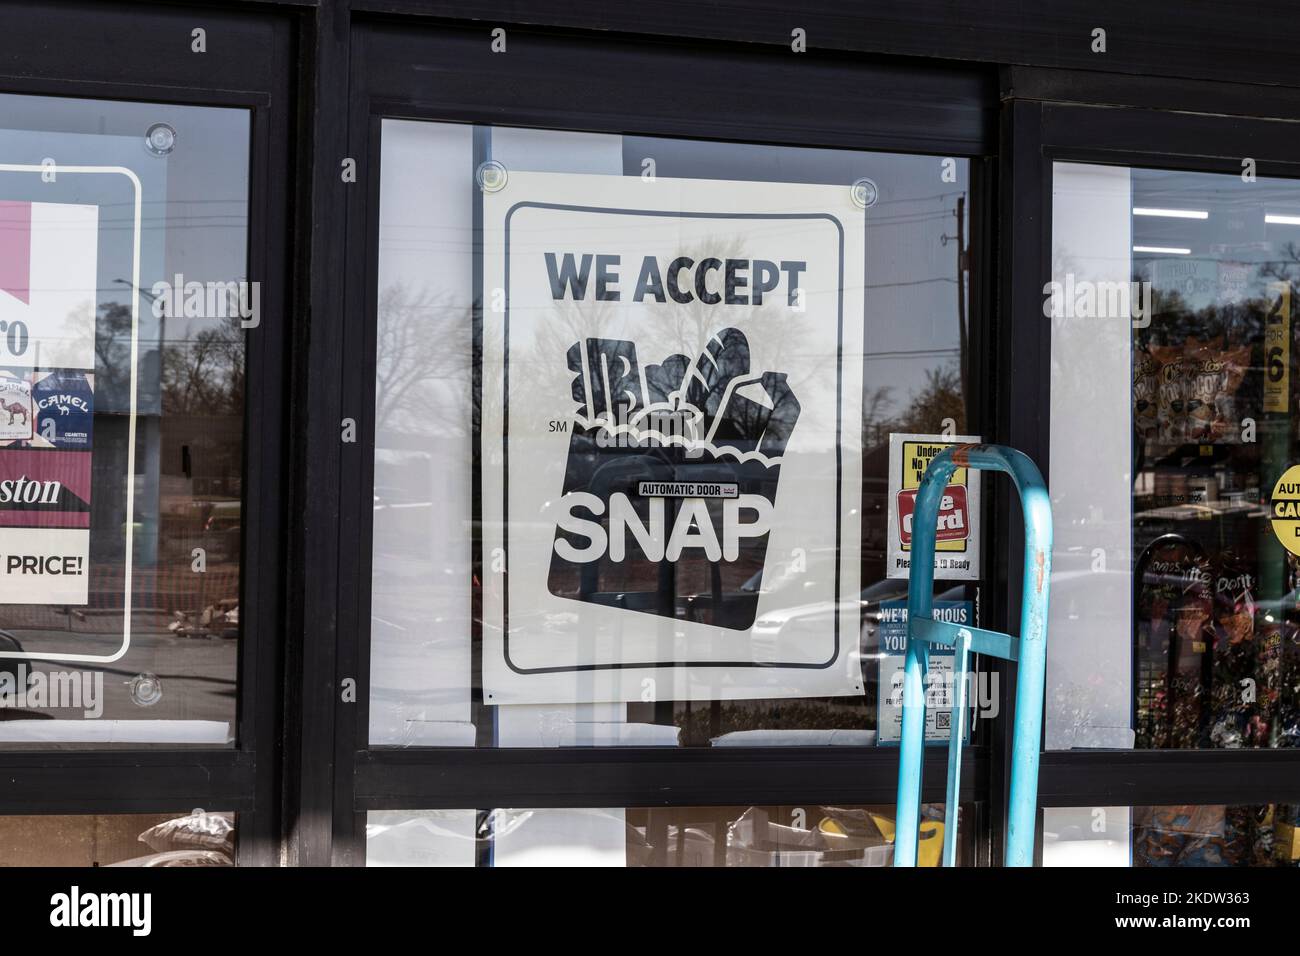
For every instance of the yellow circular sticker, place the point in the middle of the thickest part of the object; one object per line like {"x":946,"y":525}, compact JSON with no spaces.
{"x":1284,"y":507}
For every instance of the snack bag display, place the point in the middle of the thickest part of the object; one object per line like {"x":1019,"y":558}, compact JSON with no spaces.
{"x":1171,"y":384}
{"x":1178,"y":836}
{"x":1146,"y":389}
{"x":1212,"y":376}
{"x":1234,"y":718}
{"x":1176,"y":636}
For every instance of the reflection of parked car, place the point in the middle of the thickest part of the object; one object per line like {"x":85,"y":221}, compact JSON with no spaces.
{"x":786,"y":575}
{"x":223,"y":525}
{"x":869,"y":603}
{"x":8,"y":665}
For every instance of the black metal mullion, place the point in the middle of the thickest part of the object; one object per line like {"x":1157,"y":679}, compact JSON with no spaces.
{"x":466,"y":778}
{"x":312,"y":685}
{"x":117,"y":781}
{"x":1165,"y":777}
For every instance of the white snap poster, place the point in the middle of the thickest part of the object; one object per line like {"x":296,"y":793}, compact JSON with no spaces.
{"x":670,"y":435}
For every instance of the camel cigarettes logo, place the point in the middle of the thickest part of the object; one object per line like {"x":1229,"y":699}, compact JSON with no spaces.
{"x":672,"y":462}
{"x":15,"y":410}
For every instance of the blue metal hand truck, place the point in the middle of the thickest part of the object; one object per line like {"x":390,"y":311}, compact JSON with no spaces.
{"x":1029,"y":651}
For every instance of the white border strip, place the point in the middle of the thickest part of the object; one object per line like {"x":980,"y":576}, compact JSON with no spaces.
{"x":130,"y":451}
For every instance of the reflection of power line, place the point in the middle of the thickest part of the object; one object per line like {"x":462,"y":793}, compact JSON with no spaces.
{"x":907,"y":218}
{"x":890,"y":285}
{"x":911,"y":353}
{"x":943,"y":195}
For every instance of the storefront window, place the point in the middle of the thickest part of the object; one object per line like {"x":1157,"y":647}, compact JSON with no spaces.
{"x":633,"y":408}
{"x":123,"y":309}
{"x":810,"y":836}
{"x":1209,"y":835}
{"x":1175,"y":609}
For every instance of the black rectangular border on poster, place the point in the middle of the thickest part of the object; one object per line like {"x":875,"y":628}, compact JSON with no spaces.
{"x":837,"y":103}
{"x":1044,"y":133}
{"x":141,"y":53}
{"x":505,"y":451}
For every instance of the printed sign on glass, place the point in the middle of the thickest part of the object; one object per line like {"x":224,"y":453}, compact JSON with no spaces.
{"x":47,"y":359}
{"x":671,"y":421}
{"x":891,"y":633}
{"x":957,"y":539}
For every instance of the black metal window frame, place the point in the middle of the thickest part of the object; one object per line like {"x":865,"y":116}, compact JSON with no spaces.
{"x":446,"y":72}
{"x":143,"y":54}
{"x":1047,"y":123}
{"x":317,"y":75}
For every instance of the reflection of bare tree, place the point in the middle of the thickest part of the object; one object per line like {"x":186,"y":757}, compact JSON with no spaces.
{"x":1283,"y":270}
{"x":876,"y":423}
{"x":940,"y":398}
{"x":534,"y":366}
{"x":113,"y":346}
{"x":204,"y":375}
{"x":201,"y":375}
{"x":422,"y":348}
{"x":781,"y":330}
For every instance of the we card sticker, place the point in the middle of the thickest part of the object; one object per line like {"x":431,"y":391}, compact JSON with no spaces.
{"x":957,"y":530}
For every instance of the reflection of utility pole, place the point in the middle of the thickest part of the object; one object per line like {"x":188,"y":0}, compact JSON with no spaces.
{"x":963,"y":267}
{"x":162,"y":334}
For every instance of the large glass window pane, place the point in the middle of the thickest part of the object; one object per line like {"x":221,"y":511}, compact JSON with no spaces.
{"x":524,"y":274}
{"x":1175,"y":619}
{"x":123,"y":296}
{"x":809,"y":836}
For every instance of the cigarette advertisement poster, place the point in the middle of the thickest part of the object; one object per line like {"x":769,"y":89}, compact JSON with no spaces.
{"x":957,"y":534}
{"x":47,"y":358}
{"x":670,"y":439}
{"x":891,"y":632}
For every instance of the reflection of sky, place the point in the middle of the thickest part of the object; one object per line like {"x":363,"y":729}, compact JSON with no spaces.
{"x":195,"y":216}
{"x":911,"y":276}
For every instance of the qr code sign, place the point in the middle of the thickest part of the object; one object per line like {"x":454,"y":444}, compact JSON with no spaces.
{"x":943,"y":720}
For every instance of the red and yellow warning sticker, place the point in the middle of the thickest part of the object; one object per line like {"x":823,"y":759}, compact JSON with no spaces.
{"x":1284,"y":509}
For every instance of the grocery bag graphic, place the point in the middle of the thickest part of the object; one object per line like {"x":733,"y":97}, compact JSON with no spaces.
{"x":673,"y":461}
